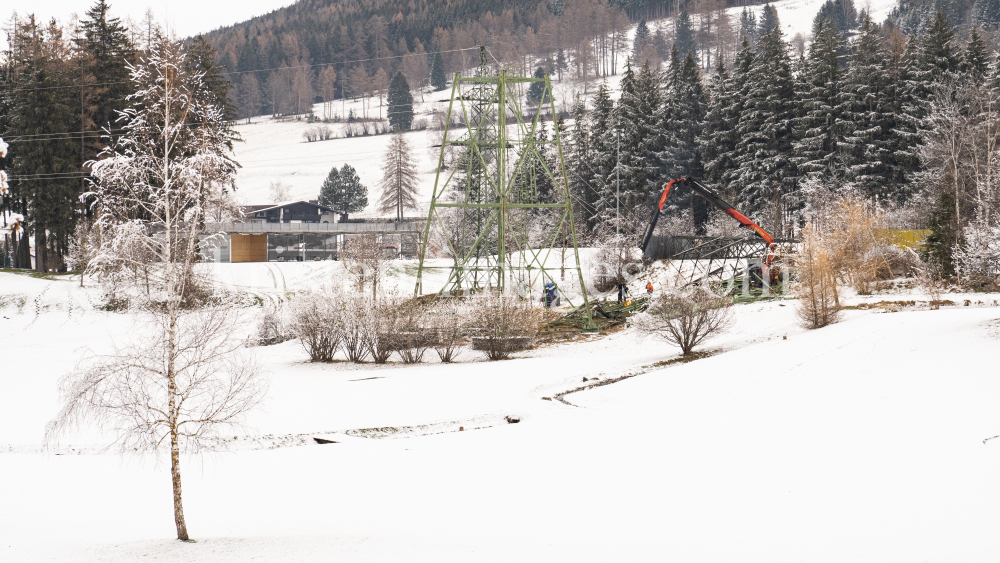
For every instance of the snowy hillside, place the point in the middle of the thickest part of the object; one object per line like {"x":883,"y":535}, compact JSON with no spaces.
{"x":275,"y":151}
{"x":862,"y":441}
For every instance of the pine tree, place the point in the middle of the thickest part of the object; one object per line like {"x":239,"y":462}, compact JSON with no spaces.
{"x":400,"y":103}
{"x":765,"y":178}
{"x":438,"y":80}
{"x":399,"y":179}
{"x":817,"y":129}
{"x":344,"y":191}
{"x":684,"y":38}
{"x":536,"y":89}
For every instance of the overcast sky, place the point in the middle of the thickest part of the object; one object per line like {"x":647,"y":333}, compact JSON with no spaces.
{"x":185,"y":17}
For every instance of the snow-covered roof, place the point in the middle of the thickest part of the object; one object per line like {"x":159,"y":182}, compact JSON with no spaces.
{"x":269,"y":206}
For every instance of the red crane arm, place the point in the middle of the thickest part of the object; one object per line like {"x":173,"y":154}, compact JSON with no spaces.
{"x":714,"y":199}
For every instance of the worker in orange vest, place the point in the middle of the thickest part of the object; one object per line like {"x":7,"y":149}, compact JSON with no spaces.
{"x":649,"y":289}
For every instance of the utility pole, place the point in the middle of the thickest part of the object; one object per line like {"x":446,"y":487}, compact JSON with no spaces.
{"x":618,"y":185}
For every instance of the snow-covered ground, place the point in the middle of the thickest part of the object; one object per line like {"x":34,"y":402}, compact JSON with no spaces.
{"x":862,"y":441}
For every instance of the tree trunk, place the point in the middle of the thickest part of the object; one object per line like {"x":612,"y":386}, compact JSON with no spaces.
{"x":175,"y":475}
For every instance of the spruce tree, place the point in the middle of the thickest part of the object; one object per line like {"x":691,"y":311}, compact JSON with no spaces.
{"x":868,"y":115}
{"x":537,"y":89}
{"x":200,"y":59}
{"x":603,"y":148}
{"x":642,"y":39}
{"x":684,"y":38}
{"x":344,"y":191}
{"x":910,"y":107}
{"x":682,"y":128}
{"x":816,"y":150}
{"x":438,"y":80}
{"x":400,"y":103}
{"x":45,"y":171}
{"x":748,"y":26}
{"x":578,"y":164}
{"x":765,"y":178}
{"x":976,"y":61}
{"x":723,"y":129}
{"x":635,"y":121}
{"x":718,"y":137}
{"x":108,"y":43}
{"x":937,"y":50}
{"x":768,"y":20}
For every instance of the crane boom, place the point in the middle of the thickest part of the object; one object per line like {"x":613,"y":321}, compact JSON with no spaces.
{"x":712,"y":198}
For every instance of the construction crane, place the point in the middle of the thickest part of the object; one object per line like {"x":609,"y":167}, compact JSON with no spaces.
{"x":717,"y":201}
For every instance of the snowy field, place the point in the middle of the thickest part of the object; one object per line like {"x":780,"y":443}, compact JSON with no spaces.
{"x":862,"y":441}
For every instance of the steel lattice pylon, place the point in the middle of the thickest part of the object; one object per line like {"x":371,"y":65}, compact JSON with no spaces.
{"x":497,"y":226}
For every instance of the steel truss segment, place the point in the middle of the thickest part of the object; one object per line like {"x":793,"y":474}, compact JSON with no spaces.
{"x":496,"y":184}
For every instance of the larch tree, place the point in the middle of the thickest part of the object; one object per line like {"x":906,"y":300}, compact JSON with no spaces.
{"x":187,"y":380}
{"x":399,"y":179}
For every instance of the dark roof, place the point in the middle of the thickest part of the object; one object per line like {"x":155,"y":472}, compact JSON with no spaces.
{"x":258,"y":208}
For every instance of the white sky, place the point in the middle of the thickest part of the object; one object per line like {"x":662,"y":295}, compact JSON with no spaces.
{"x":185,"y":17}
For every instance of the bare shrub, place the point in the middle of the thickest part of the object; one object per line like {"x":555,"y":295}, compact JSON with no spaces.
{"x":357,"y":326}
{"x":449,"y":326}
{"x":271,"y":329}
{"x":818,"y":304}
{"x":414,"y":336}
{"x":933,"y":283}
{"x":685,"y":316}
{"x":503,"y":323}
{"x":316,"y":319}
{"x":383,"y":319}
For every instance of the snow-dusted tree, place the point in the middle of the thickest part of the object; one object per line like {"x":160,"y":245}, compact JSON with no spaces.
{"x":316,"y":319}
{"x":685,"y":316}
{"x":399,"y":178}
{"x":819,"y":127}
{"x":979,"y":256}
{"x":279,"y":192}
{"x":818,"y":304}
{"x":765,"y":174}
{"x":150,"y":191}
{"x":364,"y":258}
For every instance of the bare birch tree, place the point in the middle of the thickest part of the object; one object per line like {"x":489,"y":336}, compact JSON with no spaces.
{"x":150,"y":194}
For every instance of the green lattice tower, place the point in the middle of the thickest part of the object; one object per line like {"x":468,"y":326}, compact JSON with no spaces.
{"x":490,"y":197}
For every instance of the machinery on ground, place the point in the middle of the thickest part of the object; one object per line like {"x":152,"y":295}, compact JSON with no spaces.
{"x":765,"y":271}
